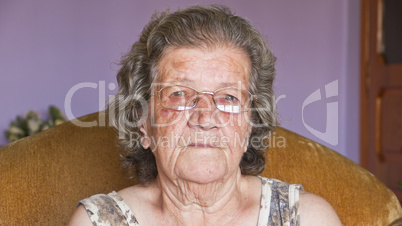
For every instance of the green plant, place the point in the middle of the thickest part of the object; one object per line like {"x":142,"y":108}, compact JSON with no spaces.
{"x":31,"y":124}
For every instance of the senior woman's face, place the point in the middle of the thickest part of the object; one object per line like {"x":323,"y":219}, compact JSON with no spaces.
{"x":201,"y":144}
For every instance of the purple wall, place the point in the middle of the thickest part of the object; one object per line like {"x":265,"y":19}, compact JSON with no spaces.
{"x":49,"y":47}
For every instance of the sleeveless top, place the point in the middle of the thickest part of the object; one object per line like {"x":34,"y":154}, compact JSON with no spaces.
{"x":279,"y":206}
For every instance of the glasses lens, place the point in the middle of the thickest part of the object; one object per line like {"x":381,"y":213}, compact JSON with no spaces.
{"x":232,"y":100}
{"x":178,"y":97}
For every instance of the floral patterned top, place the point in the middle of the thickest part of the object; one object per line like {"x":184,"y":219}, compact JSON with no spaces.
{"x":279,"y":206}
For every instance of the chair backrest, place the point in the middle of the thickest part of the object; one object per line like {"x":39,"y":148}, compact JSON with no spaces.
{"x":42,"y":177}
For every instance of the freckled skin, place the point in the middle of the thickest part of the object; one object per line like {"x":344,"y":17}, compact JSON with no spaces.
{"x":203,"y":70}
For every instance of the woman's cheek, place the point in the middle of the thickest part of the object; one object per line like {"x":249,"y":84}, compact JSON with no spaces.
{"x":224,"y":119}
{"x":167,"y":122}
{"x":167,"y":117}
{"x":164,"y":113}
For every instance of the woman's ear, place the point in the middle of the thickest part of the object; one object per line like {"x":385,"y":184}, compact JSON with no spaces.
{"x":144,"y":138}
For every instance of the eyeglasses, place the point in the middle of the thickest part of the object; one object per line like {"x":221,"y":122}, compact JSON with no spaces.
{"x":181,"y":98}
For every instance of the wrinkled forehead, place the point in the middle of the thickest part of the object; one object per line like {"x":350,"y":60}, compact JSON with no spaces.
{"x":227,"y":66}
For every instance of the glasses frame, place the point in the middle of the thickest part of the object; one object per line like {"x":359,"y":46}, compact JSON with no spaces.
{"x":252,"y":97}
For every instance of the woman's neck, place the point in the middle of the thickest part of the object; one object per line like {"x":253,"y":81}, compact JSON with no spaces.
{"x":184,"y":202}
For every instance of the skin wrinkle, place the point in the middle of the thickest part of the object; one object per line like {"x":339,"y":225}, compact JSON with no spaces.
{"x":180,"y":67}
{"x":197,"y":181}
{"x":191,"y":208}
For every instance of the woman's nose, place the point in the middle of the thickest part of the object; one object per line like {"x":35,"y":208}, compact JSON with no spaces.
{"x":202,"y":114}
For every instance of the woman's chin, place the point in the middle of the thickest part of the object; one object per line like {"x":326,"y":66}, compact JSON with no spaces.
{"x":202,"y":169}
{"x":204,"y":175}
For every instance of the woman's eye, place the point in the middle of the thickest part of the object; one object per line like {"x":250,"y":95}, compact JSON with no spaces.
{"x":178,"y":93}
{"x":230,"y":98}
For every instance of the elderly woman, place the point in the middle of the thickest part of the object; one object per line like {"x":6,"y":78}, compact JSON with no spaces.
{"x":195,"y":104}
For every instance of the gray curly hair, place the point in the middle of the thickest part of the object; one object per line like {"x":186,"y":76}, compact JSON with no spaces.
{"x":200,"y":27}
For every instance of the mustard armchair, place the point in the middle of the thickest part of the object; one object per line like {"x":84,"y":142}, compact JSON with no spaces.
{"x":42,"y":177}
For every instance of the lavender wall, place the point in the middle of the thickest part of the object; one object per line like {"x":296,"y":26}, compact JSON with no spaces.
{"x":49,"y":47}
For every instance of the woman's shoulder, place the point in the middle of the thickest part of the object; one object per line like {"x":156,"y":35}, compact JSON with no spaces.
{"x":139,"y":195}
{"x":80,"y":217}
{"x":143,"y":201}
{"x":103,"y":208}
{"x":315,"y":210}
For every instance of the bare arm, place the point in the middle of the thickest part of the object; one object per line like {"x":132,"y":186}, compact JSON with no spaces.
{"x":80,"y":217}
{"x":316,"y":211}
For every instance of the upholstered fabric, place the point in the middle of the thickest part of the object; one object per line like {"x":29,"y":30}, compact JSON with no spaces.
{"x":42,"y":177}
